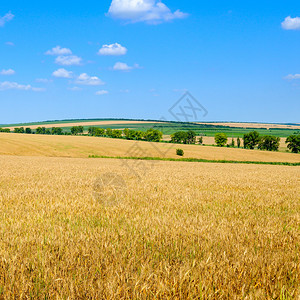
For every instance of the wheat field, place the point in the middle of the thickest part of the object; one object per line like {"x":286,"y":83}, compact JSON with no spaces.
{"x":83,"y":147}
{"x":178,"y":231}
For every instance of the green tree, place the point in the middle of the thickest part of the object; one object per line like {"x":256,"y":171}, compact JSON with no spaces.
{"x":232,"y":143}
{"x":179,"y":137}
{"x":191,"y":137}
{"x":108,"y":132}
{"x":117,"y":134}
{"x":126,"y":133}
{"x":293,"y":143}
{"x":153,"y":135}
{"x":269,"y":143}
{"x":200,"y":141}
{"x":75,"y":130}
{"x":56,"y":131}
{"x":139,"y":135}
{"x":4,"y":130}
{"x":19,"y":130}
{"x":41,"y":130}
{"x":238,"y":141}
{"x":91,"y":131}
{"x":251,"y":140}
{"x":221,"y":139}
{"x":28,"y":130}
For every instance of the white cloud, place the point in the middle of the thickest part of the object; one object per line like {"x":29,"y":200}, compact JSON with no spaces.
{"x":8,"y":85}
{"x":150,"y":11}
{"x":72,"y":60}
{"x":291,"y":23}
{"x":85,"y":79}
{"x":75,"y":88}
{"x":119,"y":66}
{"x":43,"y":80}
{"x":59,"y":51}
{"x":6,"y":18}
{"x":38,"y":89}
{"x":7,"y":72}
{"x":102,"y":92}
{"x":292,"y":76}
{"x":62,"y":73}
{"x":113,"y":49}
{"x":9,"y":44}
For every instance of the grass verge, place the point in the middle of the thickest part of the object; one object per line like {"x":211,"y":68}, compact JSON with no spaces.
{"x":201,"y":160}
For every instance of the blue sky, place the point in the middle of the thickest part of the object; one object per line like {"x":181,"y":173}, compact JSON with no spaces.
{"x":135,"y":58}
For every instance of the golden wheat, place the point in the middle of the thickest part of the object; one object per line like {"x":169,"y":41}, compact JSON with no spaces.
{"x":83,"y":146}
{"x":179,"y":231}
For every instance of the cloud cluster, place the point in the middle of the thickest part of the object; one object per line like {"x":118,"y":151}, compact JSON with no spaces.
{"x":150,"y":11}
{"x":8,"y":85}
{"x":72,"y":60}
{"x":113,"y":49}
{"x":64,"y":56}
{"x":59,"y":51}
{"x":119,"y":66}
{"x":7,"y":72}
{"x":62,"y":73}
{"x":291,"y":23}
{"x":85,"y":79}
{"x":102,"y":92}
{"x":6,"y":18}
{"x":292,"y":76}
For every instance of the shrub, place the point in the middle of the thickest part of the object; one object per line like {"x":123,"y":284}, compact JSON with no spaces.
{"x":179,"y":152}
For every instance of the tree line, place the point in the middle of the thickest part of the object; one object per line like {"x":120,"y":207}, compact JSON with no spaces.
{"x":151,"y":135}
{"x":251,"y":140}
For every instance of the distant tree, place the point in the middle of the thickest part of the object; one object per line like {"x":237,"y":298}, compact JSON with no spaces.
{"x":139,"y":135}
{"x":221,"y":139}
{"x":117,"y":134}
{"x":238,"y":142}
{"x":19,"y":130}
{"x":41,"y":130}
{"x":232,"y":143}
{"x":131,"y":134}
{"x":269,"y":143}
{"x":293,"y":143}
{"x":4,"y":130}
{"x":75,"y":130}
{"x":153,"y":135}
{"x":108,"y":132}
{"x":191,"y":137}
{"x":179,"y":152}
{"x":56,"y":131}
{"x":47,"y":131}
{"x":28,"y":130}
{"x":251,"y":140}
{"x":200,"y":140}
{"x":91,"y":131}
{"x":179,"y":137}
{"x":126,"y":133}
